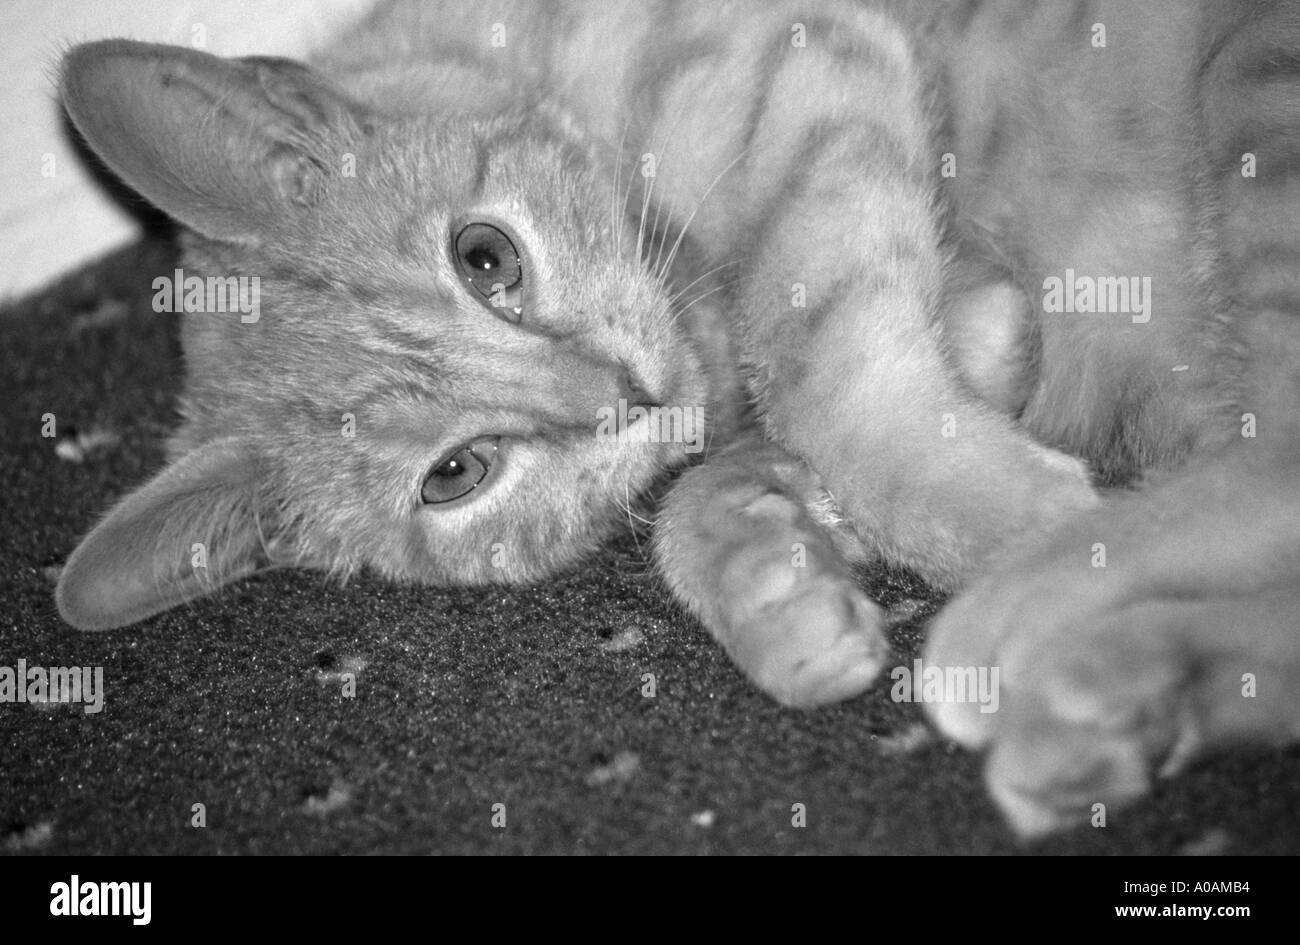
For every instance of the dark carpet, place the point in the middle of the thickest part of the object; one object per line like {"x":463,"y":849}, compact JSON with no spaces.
{"x":529,"y":698}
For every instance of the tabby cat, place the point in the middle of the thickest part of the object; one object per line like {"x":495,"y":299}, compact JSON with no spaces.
{"x":928,"y":283}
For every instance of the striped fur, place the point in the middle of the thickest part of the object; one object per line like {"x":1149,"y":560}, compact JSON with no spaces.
{"x":832,"y":227}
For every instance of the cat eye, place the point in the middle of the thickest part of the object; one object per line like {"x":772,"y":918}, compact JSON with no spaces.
{"x":488,"y":260}
{"x":460,"y":473}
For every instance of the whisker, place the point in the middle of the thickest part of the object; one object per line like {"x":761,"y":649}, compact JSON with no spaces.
{"x":680,"y":310}
{"x":649,"y":523}
{"x":616,"y":222}
{"x":627,"y":504}
{"x":672,"y":299}
{"x":627,"y":200}
{"x":663,"y":150}
{"x":654,"y":227}
{"x":713,"y":427}
{"x":647,"y":191}
{"x":700,"y":203}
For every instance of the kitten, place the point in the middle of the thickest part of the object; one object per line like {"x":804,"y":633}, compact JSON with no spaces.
{"x":488,"y":236}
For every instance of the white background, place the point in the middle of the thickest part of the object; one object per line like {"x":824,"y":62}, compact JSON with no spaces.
{"x":49,"y":225}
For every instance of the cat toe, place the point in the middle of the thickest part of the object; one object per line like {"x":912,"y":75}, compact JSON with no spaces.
{"x":1090,"y":713}
{"x":1009,"y":622}
{"x":827,"y":646}
{"x":961,"y":637}
{"x":1046,"y":774}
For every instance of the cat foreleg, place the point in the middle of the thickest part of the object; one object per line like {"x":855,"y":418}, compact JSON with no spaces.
{"x":1114,"y":670}
{"x":739,"y":547}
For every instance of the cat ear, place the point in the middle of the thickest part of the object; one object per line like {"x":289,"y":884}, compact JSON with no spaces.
{"x":225,"y":146}
{"x":191,"y":529}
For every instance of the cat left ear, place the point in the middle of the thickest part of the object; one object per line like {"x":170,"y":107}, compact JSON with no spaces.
{"x":225,"y":146}
{"x":191,"y":529}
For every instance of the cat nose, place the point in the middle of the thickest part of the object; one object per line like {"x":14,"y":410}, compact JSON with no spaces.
{"x":634,"y":390}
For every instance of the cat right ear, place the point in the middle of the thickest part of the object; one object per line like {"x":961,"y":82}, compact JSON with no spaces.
{"x":225,"y":146}
{"x":191,"y":529}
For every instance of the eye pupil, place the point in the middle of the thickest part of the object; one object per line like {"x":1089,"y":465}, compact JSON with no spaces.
{"x":482,"y":259}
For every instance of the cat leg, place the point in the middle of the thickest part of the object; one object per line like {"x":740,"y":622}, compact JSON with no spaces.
{"x":1160,"y":625}
{"x":840,"y":317}
{"x":1165,"y":623}
{"x":738,"y":546}
{"x":1125,"y":643}
{"x":1154,"y":628}
{"x":857,"y":382}
{"x":1093,"y":712}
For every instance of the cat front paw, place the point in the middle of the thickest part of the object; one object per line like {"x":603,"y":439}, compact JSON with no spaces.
{"x":821,"y":644}
{"x":798,"y":625}
{"x":1089,"y":716}
{"x":748,"y":542}
{"x":1105,"y":685}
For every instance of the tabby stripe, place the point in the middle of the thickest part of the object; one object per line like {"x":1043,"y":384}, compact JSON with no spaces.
{"x":994,"y":141}
{"x":758,"y":106}
{"x":1250,"y":79}
{"x":877,"y":143}
{"x":482,"y":163}
{"x":962,"y":19}
{"x":1271,"y":66}
{"x":823,"y":144}
{"x":1286,"y":302}
{"x":844,"y":43}
{"x":834,"y":298}
{"x":403,"y":340}
{"x":791,"y":358}
{"x":667,"y":70}
{"x":1081,"y":18}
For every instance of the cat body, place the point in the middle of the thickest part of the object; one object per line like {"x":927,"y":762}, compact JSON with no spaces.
{"x":907,"y":264}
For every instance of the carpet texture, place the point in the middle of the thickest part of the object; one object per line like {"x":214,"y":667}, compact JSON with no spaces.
{"x":530,"y":698}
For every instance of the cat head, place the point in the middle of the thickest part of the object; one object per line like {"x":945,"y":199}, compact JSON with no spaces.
{"x":413,"y":344}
